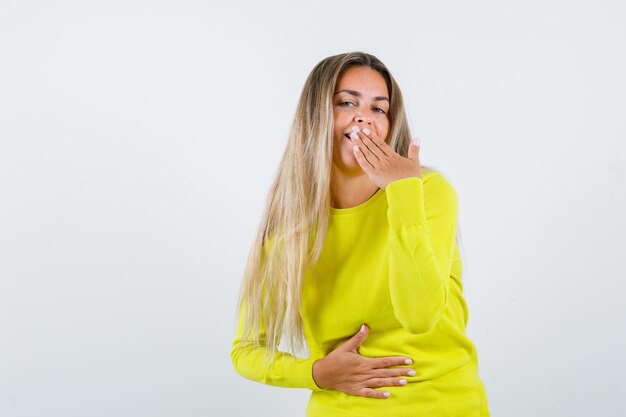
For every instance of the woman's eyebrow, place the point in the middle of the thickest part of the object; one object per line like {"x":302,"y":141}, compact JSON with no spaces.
{"x":357,"y":94}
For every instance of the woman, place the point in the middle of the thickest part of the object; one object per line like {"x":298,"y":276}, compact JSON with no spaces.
{"x":357,"y":257}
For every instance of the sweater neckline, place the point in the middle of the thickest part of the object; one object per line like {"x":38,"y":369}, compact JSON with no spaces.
{"x":360,"y":207}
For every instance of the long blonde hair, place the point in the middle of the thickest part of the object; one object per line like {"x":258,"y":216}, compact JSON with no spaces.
{"x":293,"y":227}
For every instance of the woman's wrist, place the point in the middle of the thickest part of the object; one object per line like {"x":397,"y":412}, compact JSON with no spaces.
{"x":317,"y":371}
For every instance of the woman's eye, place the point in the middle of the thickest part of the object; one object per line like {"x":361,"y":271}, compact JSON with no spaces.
{"x":346,"y":103}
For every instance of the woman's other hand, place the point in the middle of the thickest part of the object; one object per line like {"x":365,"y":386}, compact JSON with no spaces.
{"x":380,"y":162}
{"x":344,"y":369}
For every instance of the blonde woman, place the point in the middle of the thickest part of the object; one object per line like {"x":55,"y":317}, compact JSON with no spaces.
{"x":357,"y":259}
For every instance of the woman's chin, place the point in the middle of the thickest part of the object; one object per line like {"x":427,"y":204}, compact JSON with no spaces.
{"x":347,"y":158}
{"x":350,"y":162}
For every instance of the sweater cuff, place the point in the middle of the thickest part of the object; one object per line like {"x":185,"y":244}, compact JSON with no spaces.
{"x":405,"y":203}
{"x":305,"y":374}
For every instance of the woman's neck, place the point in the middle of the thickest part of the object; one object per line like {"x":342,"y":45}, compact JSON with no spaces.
{"x":350,"y":191}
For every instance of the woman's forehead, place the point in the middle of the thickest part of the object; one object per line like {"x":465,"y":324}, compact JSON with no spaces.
{"x":362,"y":80}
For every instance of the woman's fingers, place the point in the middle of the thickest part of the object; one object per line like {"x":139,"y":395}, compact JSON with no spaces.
{"x":394,"y":372}
{"x":367,"y":148}
{"x":362,"y":160}
{"x":373,"y":383}
{"x":385,"y":376}
{"x":388,"y":361}
{"x":372,"y":141}
{"x":372,"y":393}
{"x":385,"y":382}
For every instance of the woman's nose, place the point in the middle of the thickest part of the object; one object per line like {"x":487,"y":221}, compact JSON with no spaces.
{"x":363,"y":120}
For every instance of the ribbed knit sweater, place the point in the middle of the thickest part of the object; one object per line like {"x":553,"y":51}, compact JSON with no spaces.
{"x":393,"y":263}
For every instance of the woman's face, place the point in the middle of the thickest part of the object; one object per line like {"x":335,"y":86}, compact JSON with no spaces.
{"x":361,"y":99}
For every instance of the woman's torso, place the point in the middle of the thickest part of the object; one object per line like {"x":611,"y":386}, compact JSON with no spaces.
{"x":349,"y":286}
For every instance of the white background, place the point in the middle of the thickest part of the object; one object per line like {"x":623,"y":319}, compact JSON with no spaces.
{"x":138,"y":141}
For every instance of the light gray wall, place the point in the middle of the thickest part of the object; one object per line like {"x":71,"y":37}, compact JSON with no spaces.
{"x":138,"y":141}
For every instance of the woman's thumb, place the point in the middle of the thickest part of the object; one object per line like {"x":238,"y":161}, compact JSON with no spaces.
{"x":414,"y":150}
{"x":355,"y":341}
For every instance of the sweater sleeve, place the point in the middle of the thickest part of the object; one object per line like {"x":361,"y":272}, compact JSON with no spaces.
{"x":285,"y":370}
{"x":422,"y":216}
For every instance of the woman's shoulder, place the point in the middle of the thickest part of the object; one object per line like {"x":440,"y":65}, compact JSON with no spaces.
{"x":435,"y":175}
{"x":428,"y":171}
{"x":436,"y":182}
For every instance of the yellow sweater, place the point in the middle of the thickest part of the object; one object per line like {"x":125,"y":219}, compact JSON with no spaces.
{"x":393,"y":263}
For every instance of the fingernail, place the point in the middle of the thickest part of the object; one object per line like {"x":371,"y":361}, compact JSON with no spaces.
{"x":387,"y":394}
{"x":408,"y":361}
{"x":411,"y":372}
{"x":355,"y":128}
{"x":353,"y":135}
{"x":402,"y":381}
{"x":366,"y":131}
{"x":362,"y":328}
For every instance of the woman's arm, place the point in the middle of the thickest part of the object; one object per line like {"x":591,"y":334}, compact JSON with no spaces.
{"x":422,"y":215}
{"x":285,"y":370}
